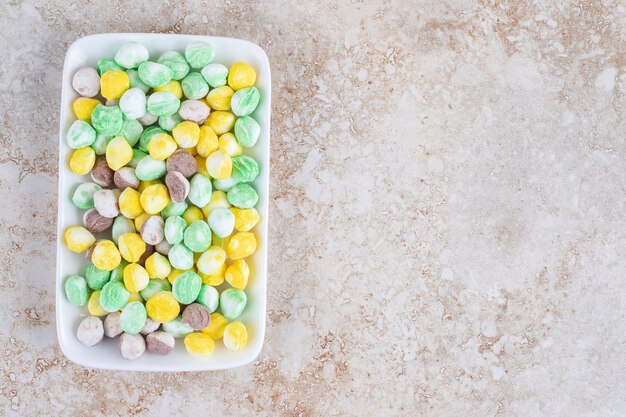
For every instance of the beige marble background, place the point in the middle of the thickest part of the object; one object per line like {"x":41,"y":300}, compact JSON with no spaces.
{"x":447,"y":210}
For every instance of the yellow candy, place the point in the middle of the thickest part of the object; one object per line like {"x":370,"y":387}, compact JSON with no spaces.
{"x":135,"y":296}
{"x":228,"y":143}
{"x":201,"y":162}
{"x":140,"y":219}
{"x":219,"y":164}
{"x":215,"y":279}
{"x":106,"y":256}
{"x":199,"y":344}
{"x":83,"y":107}
{"x":145,"y":184}
{"x":130,"y":207}
{"x":241,"y":245}
{"x":220,"y":122}
{"x":175,"y":273}
{"x":203,"y":100}
{"x":245,"y":219}
{"x":192,"y":213}
{"x":193,"y":151}
{"x":135,"y":277}
{"x":161,"y":146}
{"x":207,"y":141}
{"x":235,"y":336}
{"x":241,"y":75}
{"x":219,"y":98}
{"x":131,"y":246}
{"x":237,"y":274}
{"x":158,"y":266}
{"x":82,"y":160}
{"x":186,"y":134}
{"x":118,"y":153}
{"x":173,"y":87}
{"x":78,"y":239}
{"x":113,"y":84}
{"x":218,"y":200}
{"x":162,"y":307}
{"x":216,"y":326}
{"x":211,"y":261}
{"x":94,"y":307}
{"x":154,"y":198}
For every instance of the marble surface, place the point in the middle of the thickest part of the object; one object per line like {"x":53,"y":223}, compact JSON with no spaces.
{"x":447,"y":210}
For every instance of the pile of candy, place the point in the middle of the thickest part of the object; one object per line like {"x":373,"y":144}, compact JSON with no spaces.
{"x":169,"y":199}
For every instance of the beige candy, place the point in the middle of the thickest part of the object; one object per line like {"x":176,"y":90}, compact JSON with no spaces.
{"x":164,"y":247}
{"x":183,"y":162}
{"x":152,"y":230}
{"x":150,"y":326}
{"x":101,"y":174}
{"x":177,"y":186}
{"x":90,"y":331}
{"x":194,"y":110}
{"x":160,"y":343}
{"x":132,"y":346}
{"x":96,"y":223}
{"x":125,"y":178}
{"x":112,"y":325}
{"x":148,"y":119}
{"x":86,"y":82}
{"x":105,"y":201}
{"x":196,"y":316}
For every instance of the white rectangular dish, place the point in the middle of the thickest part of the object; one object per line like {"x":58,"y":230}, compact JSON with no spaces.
{"x":86,"y":52}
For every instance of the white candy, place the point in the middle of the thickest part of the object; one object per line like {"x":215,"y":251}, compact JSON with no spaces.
{"x":86,"y":82}
{"x":148,"y":119}
{"x":194,"y":110}
{"x":125,"y":177}
{"x":112,"y":325}
{"x":131,"y":54}
{"x":215,"y":74}
{"x":150,"y":326}
{"x":152,"y":230}
{"x":133,"y":103}
{"x":90,"y":331}
{"x":105,"y":201}
{"x":221,"y":221}
{"x":132,"y":346}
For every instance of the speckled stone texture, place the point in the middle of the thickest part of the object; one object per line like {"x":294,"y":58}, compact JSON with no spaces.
{"x":447,"y":210}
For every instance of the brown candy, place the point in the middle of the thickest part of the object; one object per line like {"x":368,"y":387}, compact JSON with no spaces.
{"x":152,"y":230}
{"x":101,"y":174}
{"x":177,"y":186}
{"x":196,"y":316}
{"x":183,"y":162}
{"x":160,"y":343}
{"x":96,"y":223}
{"x":125,"y":177}
{"x":149,"y":251}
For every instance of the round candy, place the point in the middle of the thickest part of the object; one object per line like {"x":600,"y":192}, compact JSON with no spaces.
{"x":131,"y":131}
{"x":241,"y":75}
{"x":131,"y":55}
{"x":114,"y":296}
{"x":194,"y":86}
{"x":83,"y":195}
{"x":135,"y":277}
{"x":106,"y":64}
{"x":125,"y":178}
{"x":149,"y":327}
{"x":95,"y":222}
{"x":216,"y":326}
{"x":242,"y":196}
{"x":82,"y":160}
{"x":80,"y":134}
{"x":228,"y":143}
{"x":154,"y":75}
{"x":200,"y":190}
{"x":121,"y":225}
{"x":105,"y":201}
{"x":241,"y":245}
{"x":137,"y":156}
{"x":129,"y":203}
{"x":147,"y":135}
{"x":163,"y":103}
{"x":207,"y":142}
{"x":76,"y":290}
{"x":174,"y":208}
{"x":135,"y":81}
{"x":195,"y":111}
{"x":199,"y":54}
{"x":78,"y":239}
{"x":152,"y":230}
{"x":101,"y":174}
{"x":96,"y":278}
{"x":215,"y":74}
{"x":133,"y":317}
{"x":211,"y":261}
{"x":154,"y":198}
{"x":154,"y":287}
{"x":209,"y":297}
{"x":196,"y":316}
{"x":221,"y":221}
{"x":245,"y":169}
{"x":221,"y":122}
{"x":218,"y":199}
{"x":197,"y":236}
{"x":160,"y":343}
{"x":133,"y":104}
{"x":86,"y":82}
{"x":245,"y":101}
{"x":245,"y":219}
{"x":132,"y":346}
{"x":199,"y":344}
{"x":187,"y":287}
{"x":219,"y":165}
{"x":168,"y":123}
{"x":237,"y":274}
{"x":232,"y":303}
{"x":112,"y":324}
{"x":118,"y":153}
{"x":161,"y":146}
{"x":90,"y":331}
{"x":162,"y":307}
{"x":174,"y":229}
{"x":176,"y":63}
{"x":235,"y":336}
{"x":177,"y":186}
{"x":131,"y":247}
{"x":186,"y":134}
{"x":180,"y":257}
{"x":113,"y":84}
{"x":247,"y":131}
{"x":149,"y":169}
{"x":148,"y":119}
{"x":106,"y":256}
{"x":177,"y":328}
{"x":83,"y":107}
{"x":107,"y":119}
{"x":163,"y":248}
{"x":183,"y":162}
{"x":93,"y":305}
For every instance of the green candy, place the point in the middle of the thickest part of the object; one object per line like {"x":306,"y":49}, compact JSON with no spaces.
{"x":155,"y":286}
{"x":247,"y":131}
{"x":149,"y":169}
{"x":76,"y":290}
{"x":137,"y":156}
{"x":135,"y":81}
{"x":96,"y":278}
{"x":187,"y":287}
{"x":174,"y":229}
{"x":80,"y":134}
{"x":209,"y":297}
{"x":133,"y":317}
{"x":169,"y":122}
{"x":131,"y":54}
{"x":177,"y":327}
{"x":232,"y":303}
{"x":114,"y":296}
{"x":199,"y":54}
{"x":244,"y":101}
{"x":194,"y":86}
{"x":163,"y":103}
{"x":221,"y":221}
{"x":118,"y":273}
{"x":174,"y":208}
{"x":100,"y":144}
{"x":225,"y":184}
{"x":107,"y":119}
{"x":242,"y":196}
{"x":121,"y":226}
{"x":215,"y":75}
{"x":176,"y":63}
{"x":180,"y":257}
{"x":154,"y":75}
{"x":83,"y":195}
{"x":245,"y":169}
{"x":132,"y":130}
{"x":106,"y":64}
{"x":200,"y":189}
{"x":197,"y":236}
{"x":146,"y":136}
